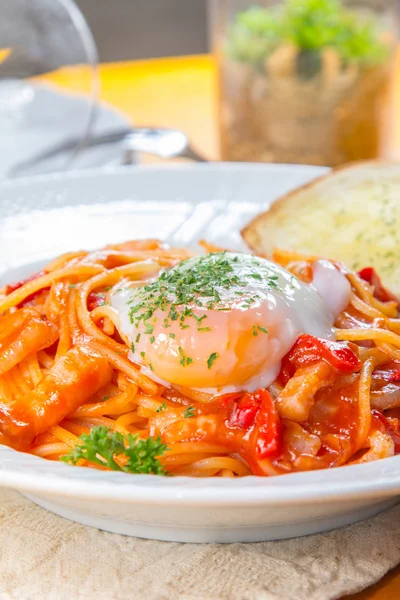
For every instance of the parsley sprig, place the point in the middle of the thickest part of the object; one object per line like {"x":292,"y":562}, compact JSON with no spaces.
{"x":102,"y":446}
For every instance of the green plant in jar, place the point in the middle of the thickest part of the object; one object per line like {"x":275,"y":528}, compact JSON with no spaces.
{"x":312,"y":62}
{"x":311,"y":26}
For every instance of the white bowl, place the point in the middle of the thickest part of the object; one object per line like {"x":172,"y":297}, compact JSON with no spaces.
{"x":45,"y":216}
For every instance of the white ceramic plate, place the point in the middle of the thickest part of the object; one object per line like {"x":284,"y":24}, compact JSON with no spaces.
{"x":48,"y":215}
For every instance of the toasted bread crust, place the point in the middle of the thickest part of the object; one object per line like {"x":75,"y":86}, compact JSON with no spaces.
{"x":296,"y":220}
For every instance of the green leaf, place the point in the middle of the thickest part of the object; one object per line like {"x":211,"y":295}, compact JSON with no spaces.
{"x":311,"y":25}
{"x":189,"y":412}
{"x":102,"y":445}
{"x":211,"y":359}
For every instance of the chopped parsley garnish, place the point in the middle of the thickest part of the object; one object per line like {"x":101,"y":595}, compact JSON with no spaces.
{"x":162,"y":407}
{"x":190,"y":412}
{"x":257,"y":328}
{"x":104,"y":446}
{"x":133,"y":348}
{"x":211,"y":359}
{"x":211,"y":282}
{"x":184,"y":360}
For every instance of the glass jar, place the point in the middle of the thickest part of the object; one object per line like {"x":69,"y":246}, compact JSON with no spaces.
{"x":304,"y":81}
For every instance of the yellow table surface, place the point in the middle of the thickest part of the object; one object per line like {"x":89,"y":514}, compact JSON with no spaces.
{"x":180,"y":92}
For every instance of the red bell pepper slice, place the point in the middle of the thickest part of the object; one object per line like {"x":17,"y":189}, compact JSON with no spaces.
{"x":256,"y":412}
{"x":267,"y":427}
{"x":95,"y":299}
{"x":244,"y":411}
{"x":382,"y":294}
{"x":308,"y":349}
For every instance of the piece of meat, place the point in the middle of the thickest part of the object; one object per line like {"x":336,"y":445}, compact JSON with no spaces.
{"x":297,"y":397}
{"x":72,"y":381}
{"x":22,"y":333}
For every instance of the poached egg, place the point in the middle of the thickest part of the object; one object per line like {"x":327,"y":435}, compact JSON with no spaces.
{"x":223,"y":322}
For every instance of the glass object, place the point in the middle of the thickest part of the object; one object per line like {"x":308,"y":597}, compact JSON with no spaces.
{"x":48,"y":80}
{"x":304,"y":81}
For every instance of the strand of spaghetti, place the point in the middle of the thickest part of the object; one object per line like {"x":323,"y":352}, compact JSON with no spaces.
{"x":119,"y":362}
{"x":64,"y":435}
{"x":33,"y":286}
{"x":103,"y":280}
{"x":183,"y":459}
{"x":44,"y":438}
{"x":110,"y":320}
{"x":151,"y":404}
{"x":364,"y":290}
{"x":165,"y":256}
{"x":144,"y":412}
{"x":12,"y":389}
{"x":393,"y":325}
{"x":108,"y":327}
{"x":391,"y":352}
{"x":73,"y":325}
{"x":122,"y":422}
{"x":188,"y":471}
{"x":45,"y":360}
{"x":284,"y":257}
{"x":187,"y":447}
{"x":376,"y":335}
{"x":63,"y":259}
{"x":5,"y":392}
{"x":96,"y":421}
{"x":24,"y":367}
{"x":47,"y":450}
{"x":64,"y":343}
{"x":220,"y":462}
{"x":34,"y":369}
{"x":18,"y":378}
{"x":52,"y":304}
{"x":366,"y":309}
{"x":113,"y":406}
{"x":364,"y":403}
{"x":74,"y":428}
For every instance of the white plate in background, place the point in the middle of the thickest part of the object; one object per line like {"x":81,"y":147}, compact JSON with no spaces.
{"x":44,"y":216}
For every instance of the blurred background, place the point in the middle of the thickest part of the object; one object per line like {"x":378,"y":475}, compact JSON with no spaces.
{"x":147,"y":28}
{"x":293,"y":81}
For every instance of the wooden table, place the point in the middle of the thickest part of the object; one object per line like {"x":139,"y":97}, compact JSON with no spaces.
{"x":180,"y":92}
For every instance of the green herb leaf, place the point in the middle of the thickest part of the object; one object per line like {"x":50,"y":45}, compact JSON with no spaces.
{"x":211,"y":359}
{"x":190,"y":412}
{"x":184,"y":360}
{"x":102,"y":446}
{"x":162,"y":407}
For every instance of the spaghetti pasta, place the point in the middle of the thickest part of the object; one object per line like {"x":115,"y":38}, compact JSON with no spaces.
{"x":68,"y":373}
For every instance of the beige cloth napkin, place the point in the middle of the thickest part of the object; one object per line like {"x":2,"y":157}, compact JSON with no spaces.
{"x":43,"y":556}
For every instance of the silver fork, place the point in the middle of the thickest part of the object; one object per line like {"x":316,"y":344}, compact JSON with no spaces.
{"x":162,"y":142}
